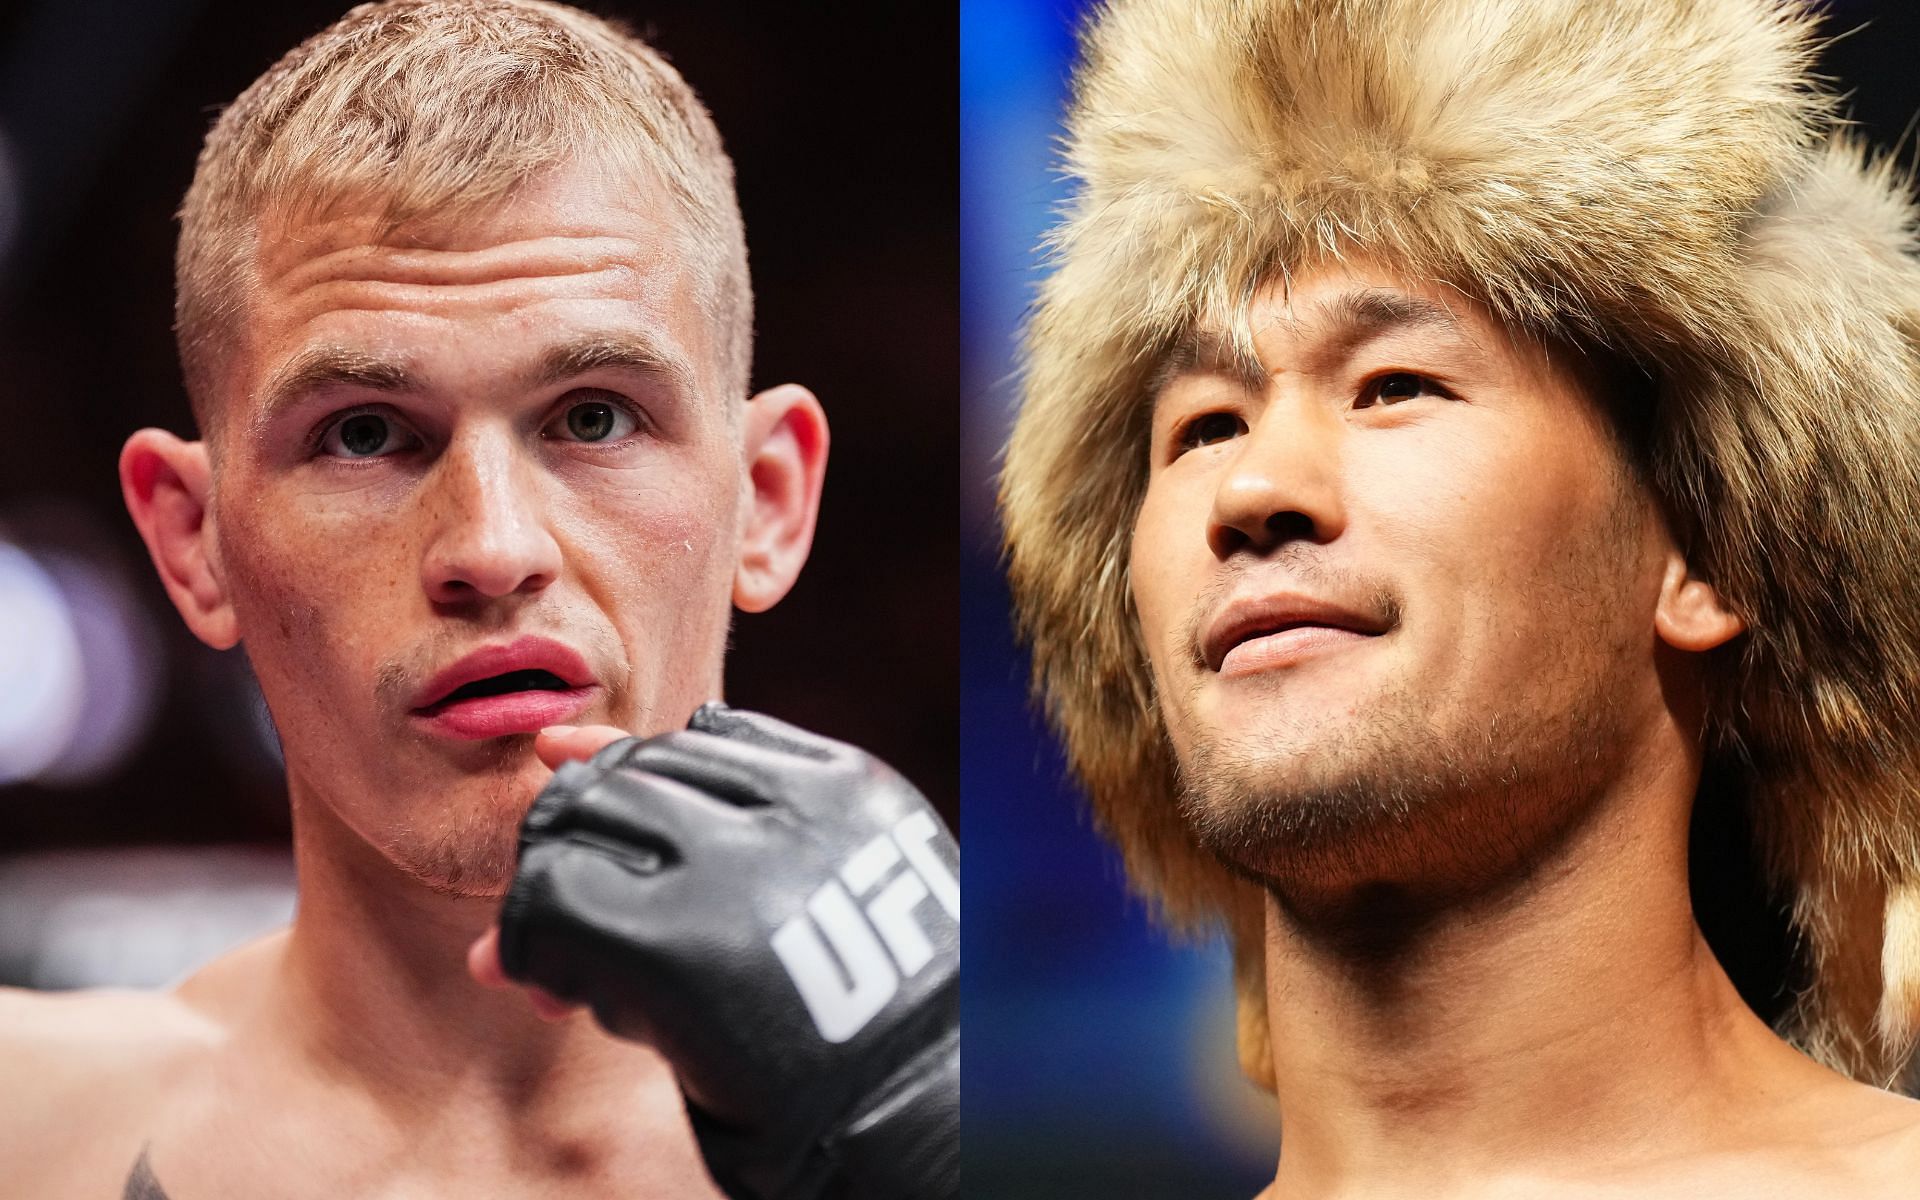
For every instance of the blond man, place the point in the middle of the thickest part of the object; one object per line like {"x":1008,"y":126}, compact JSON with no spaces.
{"x":464,"y":315}
{"x":1456,"y":436}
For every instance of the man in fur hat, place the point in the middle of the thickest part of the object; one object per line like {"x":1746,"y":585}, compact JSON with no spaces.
{"x":1456,"y":437}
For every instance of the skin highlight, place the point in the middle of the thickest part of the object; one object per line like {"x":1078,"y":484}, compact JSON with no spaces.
{"x":1431,"y":663}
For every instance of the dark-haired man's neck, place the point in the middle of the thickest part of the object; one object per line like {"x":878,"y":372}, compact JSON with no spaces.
{"x":1572,"y":1028}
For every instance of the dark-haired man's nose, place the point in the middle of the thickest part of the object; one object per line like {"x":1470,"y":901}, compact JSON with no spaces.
{"x":489,"y":536}
{"x":1282,"y":484}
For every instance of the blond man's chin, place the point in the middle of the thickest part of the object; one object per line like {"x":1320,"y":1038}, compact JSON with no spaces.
{"x":472,"y":859}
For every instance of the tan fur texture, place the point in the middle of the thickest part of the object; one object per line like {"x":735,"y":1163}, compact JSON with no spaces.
{"x":1660,"y":176}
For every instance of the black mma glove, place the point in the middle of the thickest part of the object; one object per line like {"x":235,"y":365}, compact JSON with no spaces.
{"x":779,"y":915}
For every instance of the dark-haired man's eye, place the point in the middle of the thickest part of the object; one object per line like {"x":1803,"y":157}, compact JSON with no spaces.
{"x":1391,"y":389}
{"x":1208,"y":428}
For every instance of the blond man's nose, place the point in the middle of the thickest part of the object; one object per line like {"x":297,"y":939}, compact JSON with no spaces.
{"x":489,"y":533}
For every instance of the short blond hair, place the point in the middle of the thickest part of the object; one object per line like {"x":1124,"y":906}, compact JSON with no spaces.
{"x":436,"y":109}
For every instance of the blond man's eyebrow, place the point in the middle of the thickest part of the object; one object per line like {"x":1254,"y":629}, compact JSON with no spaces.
{"x":321,"y":367}
{"x":637,"y":353}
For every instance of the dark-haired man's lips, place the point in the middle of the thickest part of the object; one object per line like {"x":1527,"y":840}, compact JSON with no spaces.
{"x":1268,"y":633}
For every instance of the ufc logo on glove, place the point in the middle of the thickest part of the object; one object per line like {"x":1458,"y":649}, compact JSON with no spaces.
{"x":778,"y":915}
{"x":844,"y":987}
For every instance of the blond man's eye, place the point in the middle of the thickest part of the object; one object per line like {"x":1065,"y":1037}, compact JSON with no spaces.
{"x":363,"y":435}
{"x":593,"y":420}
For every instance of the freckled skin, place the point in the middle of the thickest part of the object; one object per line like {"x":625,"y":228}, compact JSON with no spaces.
{"x":543,"y":442}
{"x":354,"y":581}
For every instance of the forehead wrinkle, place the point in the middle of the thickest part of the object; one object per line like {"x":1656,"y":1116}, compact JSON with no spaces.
{"x":361,"y":260}
{"x":327,"y":296}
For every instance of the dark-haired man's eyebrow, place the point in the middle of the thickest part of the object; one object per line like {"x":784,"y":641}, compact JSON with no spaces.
{"x":1332,"y":332}
{"x":1352,"y":319}
{"x":1205,"y":352}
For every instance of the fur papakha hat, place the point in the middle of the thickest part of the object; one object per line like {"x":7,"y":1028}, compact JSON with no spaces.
{"x":1662,"y":178}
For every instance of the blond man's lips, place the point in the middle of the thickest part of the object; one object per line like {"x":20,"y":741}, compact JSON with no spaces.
{"x":503,"y":689}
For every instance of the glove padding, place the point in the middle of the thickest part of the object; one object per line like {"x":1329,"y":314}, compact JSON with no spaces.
{"x":778,"y":914}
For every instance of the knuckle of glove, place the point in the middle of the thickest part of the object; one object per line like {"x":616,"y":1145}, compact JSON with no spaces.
{"x":588,"y":865}
{"x":742,"y":775}
{"x":759,"y":729}
{"x":551,"y":932}
{"x":802,"y":963}
{"x":554,"y":805}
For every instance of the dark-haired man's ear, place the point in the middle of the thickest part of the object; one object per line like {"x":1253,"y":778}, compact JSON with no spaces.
{"x":1691,"y":615}
{"x":784,"y":443}
{"x":167,"y":483}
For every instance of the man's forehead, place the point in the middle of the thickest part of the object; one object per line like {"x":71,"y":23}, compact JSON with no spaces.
{"x":630,"y":351}
{"x":581,"y":271}
{"x":582,"y":200}
{"x":581,"y":228}
{"x":1317,"y":317}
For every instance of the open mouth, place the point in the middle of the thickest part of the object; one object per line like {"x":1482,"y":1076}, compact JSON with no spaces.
{"x":500,"y":685}
{"x":503,"y":690}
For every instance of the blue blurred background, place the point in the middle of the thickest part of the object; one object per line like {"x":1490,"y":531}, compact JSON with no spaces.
{"x":1099,"y":1057}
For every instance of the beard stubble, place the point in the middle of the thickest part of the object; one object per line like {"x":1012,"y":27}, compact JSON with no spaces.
{"x":1432,"y":798}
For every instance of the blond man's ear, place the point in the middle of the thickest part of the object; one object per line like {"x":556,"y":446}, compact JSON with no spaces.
{"x":784,"y":443}
{"x":167,"y":483}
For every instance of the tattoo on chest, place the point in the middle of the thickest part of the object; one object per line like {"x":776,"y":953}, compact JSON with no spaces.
{"x":141,"y":1185}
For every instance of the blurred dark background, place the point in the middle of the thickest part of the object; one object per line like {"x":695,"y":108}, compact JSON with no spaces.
{"x":1099,"y":1057}
{"x":135,"y":765}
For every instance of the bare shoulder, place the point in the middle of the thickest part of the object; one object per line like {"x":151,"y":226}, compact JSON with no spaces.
{"x":1871,"y":1145}
{"x":86,"y":1071}
{"x":1890,"y":1145}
